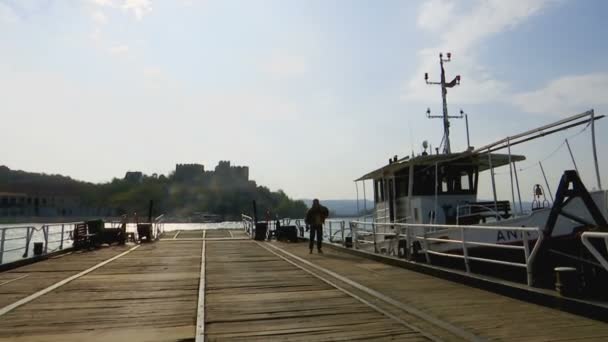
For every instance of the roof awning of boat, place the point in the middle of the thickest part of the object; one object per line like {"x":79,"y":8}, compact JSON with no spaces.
{"x":480,"y":160}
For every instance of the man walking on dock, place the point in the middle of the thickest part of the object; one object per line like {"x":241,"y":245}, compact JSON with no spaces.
{"x":315,"y":217}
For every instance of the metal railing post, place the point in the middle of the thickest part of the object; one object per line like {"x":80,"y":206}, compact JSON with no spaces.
{"x":397,"y":238}
{"x":28,"y":238}
{"x":330,"y":233}
{"x":45,"y":232}
{"x":342,"y":226}
{"x":598,"y":256}
{"x":493,"y":181}
{"x":529,"y":278}
{"x":426,"y":247}
{"x":2,"y":244}
{"x":408,"y":243}
{"x":62,"y":230}
{"x":353,"y":229}
{"x":374,"y":235}
{"x":465,"y":251}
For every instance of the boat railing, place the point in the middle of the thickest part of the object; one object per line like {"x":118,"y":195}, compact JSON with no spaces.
{"x":17,"y":242}
{"x":469,"y":206}
{"x":592,"y":249}
{"x":411,"y":232}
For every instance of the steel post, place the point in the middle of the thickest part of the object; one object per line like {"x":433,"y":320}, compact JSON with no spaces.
{"x":62,"y":230}
{"x":493,"y":182}
{"x":465,"y":250}
{"x":597,"y":168}
{"x":45,"y":232}
{"x":529,"y":277}
{"x":374,"y":236}
{"x":546,"y":182}
{"x":2,"y":238}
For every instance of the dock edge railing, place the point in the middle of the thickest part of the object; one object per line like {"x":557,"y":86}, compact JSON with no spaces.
{"x":248,"y":224}
{"x":407,"y":231}
{"x":20,"y":238}
{"x":596,"y":235}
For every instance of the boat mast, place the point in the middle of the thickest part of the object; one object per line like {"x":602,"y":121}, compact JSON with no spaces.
{"x":444,"y":92}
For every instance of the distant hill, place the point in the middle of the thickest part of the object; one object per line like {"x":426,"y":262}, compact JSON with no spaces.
{"x":345,"y":207}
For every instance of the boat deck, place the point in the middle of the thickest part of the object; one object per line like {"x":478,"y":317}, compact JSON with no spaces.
{"x":217,"y":285}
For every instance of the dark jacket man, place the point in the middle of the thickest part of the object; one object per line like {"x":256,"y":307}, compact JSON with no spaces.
{"x":315,"y":217}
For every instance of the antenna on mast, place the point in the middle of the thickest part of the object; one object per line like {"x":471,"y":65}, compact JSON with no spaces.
{"x":444,"y":92}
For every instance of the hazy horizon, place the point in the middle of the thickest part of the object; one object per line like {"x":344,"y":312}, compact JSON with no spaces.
{"x":310,"y":94}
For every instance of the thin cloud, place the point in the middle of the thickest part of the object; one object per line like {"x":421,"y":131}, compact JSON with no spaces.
{"x":99,"y":18}
{"x":283,"y":64}
{"x":7,"y":15}
{"x":460,"y":33}
{"x":566,"y":95}
{"x":119,"y":49}
{"x":139,"y":8}
{"x":435,"y":14}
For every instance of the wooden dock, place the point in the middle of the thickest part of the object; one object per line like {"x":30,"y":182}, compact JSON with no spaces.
{"x":219,"y":285}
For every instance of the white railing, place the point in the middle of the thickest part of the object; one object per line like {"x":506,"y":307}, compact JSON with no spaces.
{"x":16,"y":242}
{"x":331,"y":229}
{"x":420,"y":232}
{"x":596,"y":235}
{"x":159,"y":226}
{"x":248,"y":224}
{"x":469,"y":206}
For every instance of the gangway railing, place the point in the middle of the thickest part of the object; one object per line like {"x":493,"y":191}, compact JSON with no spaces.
{"x":596,"y":235}
{"x":16,"y":242}
{"x":420,"y":232}
{"x":331,"y":229}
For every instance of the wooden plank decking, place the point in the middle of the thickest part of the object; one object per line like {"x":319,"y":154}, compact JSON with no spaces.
{"x":260,"y":291}
{"x":254,"y":296}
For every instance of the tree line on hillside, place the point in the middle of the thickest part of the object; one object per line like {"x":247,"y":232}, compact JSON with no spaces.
{"x":171,"y":196}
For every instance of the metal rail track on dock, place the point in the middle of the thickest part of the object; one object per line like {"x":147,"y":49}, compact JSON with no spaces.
{"x":416,"y":319}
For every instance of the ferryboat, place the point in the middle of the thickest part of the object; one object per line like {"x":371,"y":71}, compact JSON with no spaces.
{"x":436,"y":192}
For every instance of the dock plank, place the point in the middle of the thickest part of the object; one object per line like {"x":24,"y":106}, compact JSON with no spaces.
{"x":254,"y":295}
{"x":149,"y":294}
{"x":484,"y":313}
{"x":47,"y":272}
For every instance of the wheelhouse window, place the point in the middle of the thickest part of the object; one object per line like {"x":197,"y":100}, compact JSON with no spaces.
{"x":451,"y":180}
{"x":402,"y":182}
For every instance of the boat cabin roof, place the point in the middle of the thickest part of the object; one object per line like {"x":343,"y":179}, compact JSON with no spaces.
{"x":468,"y":158}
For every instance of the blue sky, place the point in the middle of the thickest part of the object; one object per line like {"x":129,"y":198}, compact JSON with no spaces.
{"x":309,"y":94}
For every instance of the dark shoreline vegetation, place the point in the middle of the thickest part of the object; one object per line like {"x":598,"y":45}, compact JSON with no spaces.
{"x":220,"y":194}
